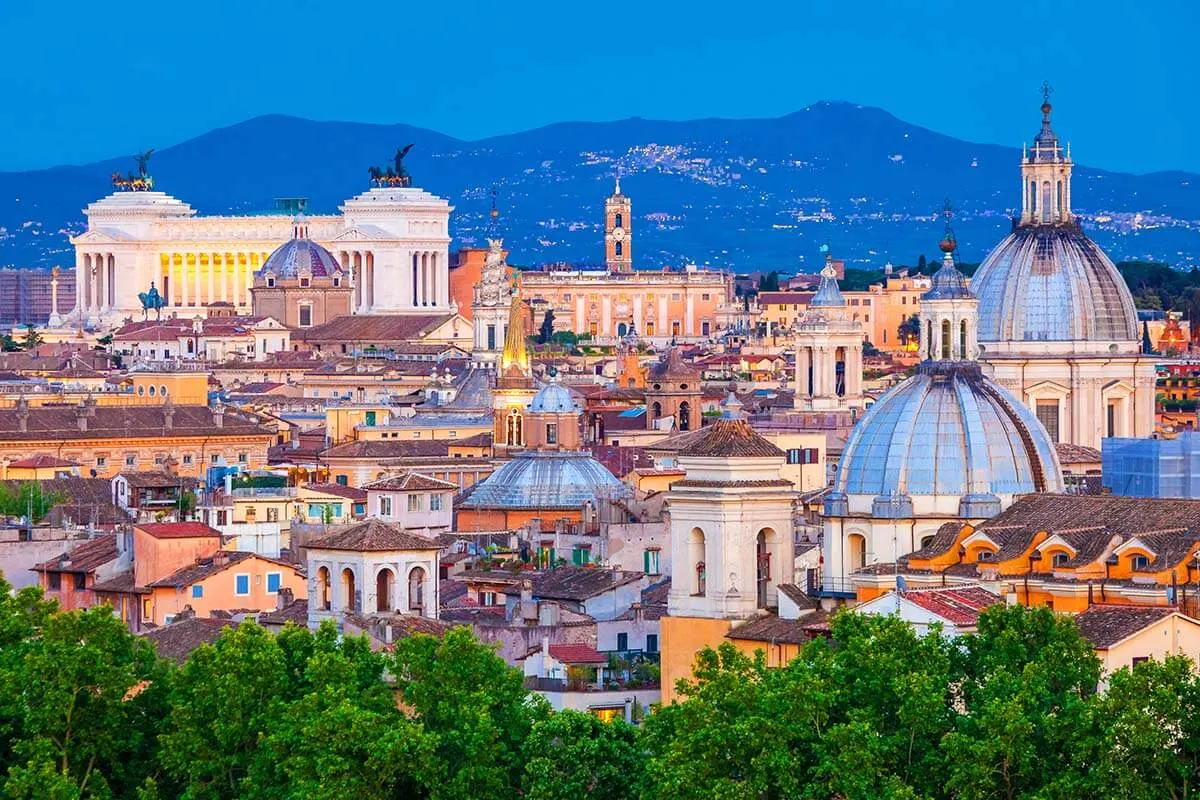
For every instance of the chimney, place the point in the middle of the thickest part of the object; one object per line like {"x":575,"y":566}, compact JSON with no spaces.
{"x":187,"y":612}
{"x":81,"y":416}
{"x":89,"y":403}
{"x":219,"y":415}
{"x":637,"y":613}
{"x":284,"y":598}
{"x":387,"y":633}
{"x":220,"y":558}
{"x":168,"y":414}
{"x":529,"y":611}
{"x":22,"y":414}
{"x":545,"y":656}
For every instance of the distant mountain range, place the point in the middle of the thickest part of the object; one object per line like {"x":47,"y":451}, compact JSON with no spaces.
{"x":743,"y":194}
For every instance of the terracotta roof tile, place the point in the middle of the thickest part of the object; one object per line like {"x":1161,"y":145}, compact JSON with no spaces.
{"x":176,"y":530}
{"x":730,"y":438}
{"x":1104,"y":626}
{"x":576,"y":654}
{"x":42,"y":461}
{"x":410,"y":482}
{"x":85,"y":556}
{"x":770,"y":628}
{"x":374,"y":329}
{"x":373,"y":536}
{"x":579,"y":583}
{"x":337,"y":490}
{"x":177,"y":640}
{"x":390,"y":448}
{"x":960,"y":605}
{"x":108,"y":422}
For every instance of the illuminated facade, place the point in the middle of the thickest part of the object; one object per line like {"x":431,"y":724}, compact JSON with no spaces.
{"x":391,"y":242}
{"x":608,"y":303}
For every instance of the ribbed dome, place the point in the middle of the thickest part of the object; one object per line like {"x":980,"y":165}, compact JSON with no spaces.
{"x":1052,"y":283}
{"x":546,"y":479}
{"x":298,"y":255}
{"x":553,"y":398}
{"x":948,"y":430}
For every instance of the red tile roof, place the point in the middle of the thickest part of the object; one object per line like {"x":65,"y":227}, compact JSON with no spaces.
{"x":373,"y":536}
{"x":42,"y":462}
{"x":177,"y":530}
{"x":576,"y":654}
{"x":411,"y":482}
{"x":336,"y":489}
{"x":1105,"y":626}
{"x":958,"y":605}
{"x":84,"y":556}
{"x":730,"y":438}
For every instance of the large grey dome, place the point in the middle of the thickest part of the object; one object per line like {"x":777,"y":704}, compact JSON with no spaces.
{"x":1052,"y":283}
{"x":537,"y":479}
{"x":947,"y":430}
{"x":300,"y":255}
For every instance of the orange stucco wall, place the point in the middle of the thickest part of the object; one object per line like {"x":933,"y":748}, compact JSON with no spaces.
{"x":155,"y":559}
{"x":682,"y":639}
{"x":470,"y":519}
{"x":220,"y":591}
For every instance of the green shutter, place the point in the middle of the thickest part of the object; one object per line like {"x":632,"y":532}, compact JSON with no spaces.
{"x":646,"y":561}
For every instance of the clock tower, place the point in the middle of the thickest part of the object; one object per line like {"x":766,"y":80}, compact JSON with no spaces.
{"x":618,"y":239}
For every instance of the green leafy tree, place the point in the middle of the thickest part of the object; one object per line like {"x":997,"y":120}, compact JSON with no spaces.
{"x":475,"y":707}
{"x":910,"y":329}
{"x":546,"y":332}
{"x":28,"y":499}
{"x":769,"y":282}
{"x":8,"y":344}
{"x":85,"y":698}
{"x":572,"y":755}
{"x":32,"y":338}
{"x":921,"y":263}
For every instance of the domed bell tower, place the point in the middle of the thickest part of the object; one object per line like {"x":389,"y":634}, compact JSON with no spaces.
{"x":1046,"y":175}
{"x":618,"y":237}
{"x":949,"y":311}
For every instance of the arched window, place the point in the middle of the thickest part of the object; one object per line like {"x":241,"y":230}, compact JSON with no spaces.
{"x":696,"y":558}
{"x":1139,"y":563}
{"x":763,"y":552}
{"x":617,"y":219}
{"x":323,"y":589}
{"x":1045,"y":201}
{"x":1033,"y":198}
{"x":962,"y":340}
{"x":1058,"y":208}
{"x":656,"y":410}
{"x":622,"y":329}
{"x":349,"y":591}
{"x":839,"y":371}
{"x":946,"y":340}
{"x":513,"y":433}
{"x":416,"y":589}
{"x":685,"y":416}
{"x":384,"y":585}
{"x":930,"y":344}
{"x":618,"y":248}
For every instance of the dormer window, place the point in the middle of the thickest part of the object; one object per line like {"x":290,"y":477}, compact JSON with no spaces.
{"x":1060,"y":560}
{"x":305,"y":281}
{"x":1138,"y":563}
{"x":270,"y":281}
{"x":985,"y":555}
{"x":337,"y":281}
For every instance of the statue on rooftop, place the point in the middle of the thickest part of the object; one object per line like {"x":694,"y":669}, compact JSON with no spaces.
{"x":395,"y":175}
{"x":141,"y":181}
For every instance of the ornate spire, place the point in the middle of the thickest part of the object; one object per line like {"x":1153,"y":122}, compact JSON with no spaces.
{"x":493,"y":223}
{"x":514,"y":361}
{"x":828,"y":292}
{"x":617,"y":190}
{"x":1045,"y":144}
{"x":948,"y":283}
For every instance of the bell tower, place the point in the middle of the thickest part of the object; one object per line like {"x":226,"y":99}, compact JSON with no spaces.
{"x":1046,"y":175}
{"x":618,"y":236}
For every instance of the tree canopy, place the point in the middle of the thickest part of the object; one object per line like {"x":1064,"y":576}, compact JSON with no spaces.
{"x":87,"y":710}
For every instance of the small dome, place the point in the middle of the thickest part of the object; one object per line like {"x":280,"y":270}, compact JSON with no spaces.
{"x":948,"y":430}
{"x":553,"y":398}
{"x":546,"y":479}
{"x":1052,"y":283}
{"x":300,"y":255}
{"x":948,"y":283}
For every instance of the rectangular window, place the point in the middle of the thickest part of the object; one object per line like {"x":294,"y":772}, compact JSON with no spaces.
{"x":147,"y":609}
{"x":487,"y":598}
{"x":1140,"y":660}
{"x":705,"y":296}
{"x":80,"y":581}
{"x":241,"y":584}
{"x":243,"y":458}
{"x":274,"y":580}
{"x":187,"y":459}
{"x":650,"y":562}
{"x":794,"y":455}
{"x":371,"y":418}
{"x":101,"y":461}
{"x":131,"y":460}
{"x":53,"y":581}
{"x":215,"y":458}
{"x":622,"y":641}
{"x":1047,"y":414}
{"x":580,"y":556}
{"x":1112,"y":419}
{"x":491,"y":337}
{"x":342,"y":480}
{"x":414,"y":503}
{"x":385,"y":506}
{"x":272,"y":515}
{"x":551,"y":433}
{"x":197,"y":591}
{"x":651,"y":642}
{"x":435,"y":502}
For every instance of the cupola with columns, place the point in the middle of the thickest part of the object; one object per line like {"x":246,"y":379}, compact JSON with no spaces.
{"x":949,"y":311}
{"x":1046,"y":175}
{"x":829,"y":348}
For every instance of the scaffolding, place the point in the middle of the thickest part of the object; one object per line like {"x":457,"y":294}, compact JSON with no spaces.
{"x":1152,"y":467}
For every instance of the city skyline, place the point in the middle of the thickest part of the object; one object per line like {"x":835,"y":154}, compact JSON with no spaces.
{"x":901,"y":59}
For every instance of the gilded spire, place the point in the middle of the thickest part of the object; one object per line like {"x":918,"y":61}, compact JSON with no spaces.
{"x":514,"y":361}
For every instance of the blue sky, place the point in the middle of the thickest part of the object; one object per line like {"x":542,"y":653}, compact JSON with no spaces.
{"x":80,"y":81}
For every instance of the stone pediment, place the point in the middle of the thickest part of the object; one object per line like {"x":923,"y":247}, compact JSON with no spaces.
{"x":362,"y":233}
{"x":101,"y":236}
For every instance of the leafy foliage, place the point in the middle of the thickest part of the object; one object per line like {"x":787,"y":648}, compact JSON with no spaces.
{"x":28,"y":499}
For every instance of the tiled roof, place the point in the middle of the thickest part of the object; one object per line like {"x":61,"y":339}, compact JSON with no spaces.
{"x":374,"y":329}
{"x":205,"y":568}
{"x":41,"y":461}
{"x":759,"y":484}
{"x":372,"y":536}
{"x":411,"y":482}
{"x":676,"y":442}
{"x":176,"y":530}
{"x":389,"y":448}
{"x":1125,"y":515}
{"x":959,"y":605}
{"x":770,"y":628}
{"x":337,"y":490}
{"x":730,"y":438}
{"x":784,"y":298}
{"x":177,"y":640}
{"x":295,"y":611}
{"x":1104,"y":626}
{"x":1076,"y":453}
{"x":576,"y":654}
{"x":108,"y":422}
{"x":121,"y":583}
{"x":940,"y":544}
{"x":84,"y":556}
{"x":157,"y":480}
{"x":579,"y":583}
{"x":673,"y":367}
{"x":797,"y":596}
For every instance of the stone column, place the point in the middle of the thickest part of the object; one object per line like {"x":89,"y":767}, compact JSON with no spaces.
{"x":54,"y":296}
{"x":212,"y":269}
{"x":689,"y":320}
